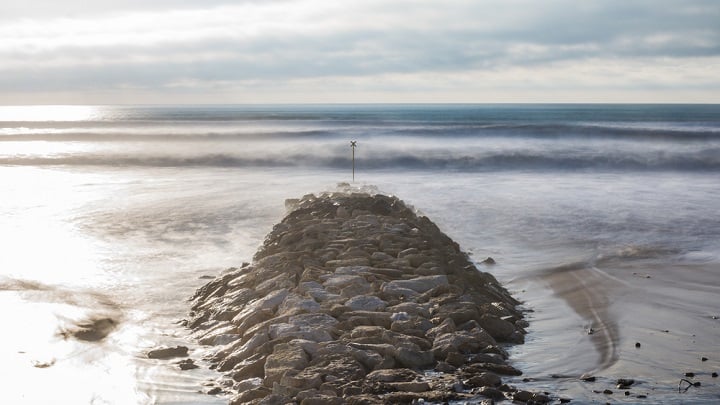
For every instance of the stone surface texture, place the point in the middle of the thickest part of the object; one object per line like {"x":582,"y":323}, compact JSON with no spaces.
{"x":352,"y":298}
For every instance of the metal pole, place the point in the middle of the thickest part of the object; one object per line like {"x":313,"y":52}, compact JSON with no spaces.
{"x":353,"y":144}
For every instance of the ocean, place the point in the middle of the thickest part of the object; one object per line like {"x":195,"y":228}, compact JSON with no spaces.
{"x":604,"y":220}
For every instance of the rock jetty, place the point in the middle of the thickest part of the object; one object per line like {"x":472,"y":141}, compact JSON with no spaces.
{"x":354,"y":298}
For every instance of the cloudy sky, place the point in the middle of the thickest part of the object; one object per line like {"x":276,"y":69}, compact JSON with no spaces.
{"x":289,"y":51}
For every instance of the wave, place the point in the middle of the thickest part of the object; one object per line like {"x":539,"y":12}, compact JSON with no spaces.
{"x":707,"y":160}
{"x":217,"y":131}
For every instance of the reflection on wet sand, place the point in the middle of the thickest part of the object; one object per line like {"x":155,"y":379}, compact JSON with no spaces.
{"x":92,"y":315}
{"x":585,"y":289}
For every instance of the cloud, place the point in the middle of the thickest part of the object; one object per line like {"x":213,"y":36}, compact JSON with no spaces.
{"x":174,"y":45}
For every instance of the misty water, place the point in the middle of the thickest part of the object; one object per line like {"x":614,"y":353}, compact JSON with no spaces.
{"x":600,"y":217}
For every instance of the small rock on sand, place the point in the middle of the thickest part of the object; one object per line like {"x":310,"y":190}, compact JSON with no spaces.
{"x":168,"y":352}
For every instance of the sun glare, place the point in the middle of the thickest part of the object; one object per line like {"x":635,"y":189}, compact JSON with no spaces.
{"x":47,"y":112}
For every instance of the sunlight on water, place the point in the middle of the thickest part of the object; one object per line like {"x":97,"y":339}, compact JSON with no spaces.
{"x":36,"y":113}
{"x":38,"y":242}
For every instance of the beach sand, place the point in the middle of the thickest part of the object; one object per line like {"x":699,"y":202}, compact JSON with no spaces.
{"x":631,"y":319}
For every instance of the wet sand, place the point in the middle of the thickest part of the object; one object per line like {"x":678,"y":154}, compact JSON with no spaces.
{"x":628,"y":315}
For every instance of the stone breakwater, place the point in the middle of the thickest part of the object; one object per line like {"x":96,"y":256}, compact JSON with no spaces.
{"x":353,"y":298}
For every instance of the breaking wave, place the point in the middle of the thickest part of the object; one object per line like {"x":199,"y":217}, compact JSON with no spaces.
{"x":706,"y":160}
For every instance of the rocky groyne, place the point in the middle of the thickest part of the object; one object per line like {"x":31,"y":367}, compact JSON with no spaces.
{"x":353,"y":298}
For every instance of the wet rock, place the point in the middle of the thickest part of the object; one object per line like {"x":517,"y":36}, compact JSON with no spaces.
{"x":187,"y":364}
{"x":522,"y":396}
{"x":443,"y":367}
{"x":168,"y":352}
{"x":484,"y":379}
{"x":497,"y":328}
{"x":91,"y":330}
{"x":503,"y":369}
{"x":411,"y":386}
{"x":492,"y":393}
{"x":414,"y":358}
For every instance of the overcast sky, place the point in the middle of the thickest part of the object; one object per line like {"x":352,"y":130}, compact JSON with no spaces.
{"x":289,"y":51}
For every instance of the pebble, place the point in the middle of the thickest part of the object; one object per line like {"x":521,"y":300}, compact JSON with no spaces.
{"x":588,"y":378}
{"x":607,"y":392}
{"x":703,"y":359}
{"x":689,"y":374}
{"x":625,"y":381}
{"x":714,"y":375}
{"x":565,"y":400}
{"x":637,"y":344}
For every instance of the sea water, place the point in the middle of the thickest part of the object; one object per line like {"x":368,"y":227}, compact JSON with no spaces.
{"x":604,"y":221}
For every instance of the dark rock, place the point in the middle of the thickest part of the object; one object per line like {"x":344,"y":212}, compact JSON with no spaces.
{"x":91,"y":330}
{"x":492,"y":393}
{"x":483,"y":379}
{"x":168,"y":352}
{"x":607,"y":392}
{"x":714,"y":374}
{"x":497,"y":328}
{"x":703,"y":359}
{"x":637,"y":344}
{"x":522,"y":396}
{"x":187,"y":364}
{"x":443,"y":367}
{"x":503,"y":369}
{"x":625,"y":381}
{"x":689,"y":374}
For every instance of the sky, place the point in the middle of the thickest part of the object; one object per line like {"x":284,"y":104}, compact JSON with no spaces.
{"x":366,"y":51}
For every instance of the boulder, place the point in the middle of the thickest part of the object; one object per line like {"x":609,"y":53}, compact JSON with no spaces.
{"x":418,"y":284}
{"x":284,"y":358}
{"x":496,"y":327}
{"x":366,"y":303}
{"x":461,"y":341}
